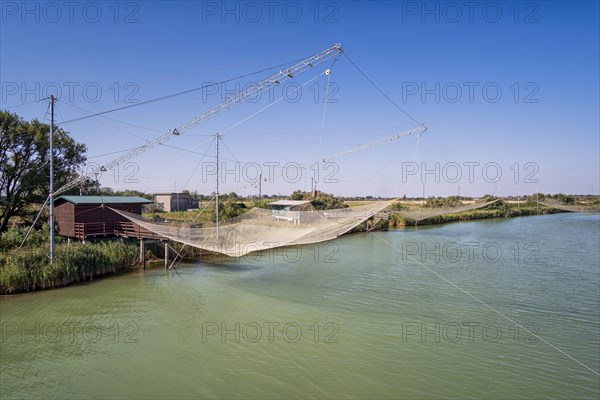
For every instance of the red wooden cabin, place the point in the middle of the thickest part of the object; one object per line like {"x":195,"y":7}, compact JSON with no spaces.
{"x":83,"y":217}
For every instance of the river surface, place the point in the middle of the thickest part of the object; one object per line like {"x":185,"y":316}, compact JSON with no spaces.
{"x":485,"y":309}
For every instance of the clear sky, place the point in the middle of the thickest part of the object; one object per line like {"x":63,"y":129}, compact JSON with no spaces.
{"x":502,"y":86}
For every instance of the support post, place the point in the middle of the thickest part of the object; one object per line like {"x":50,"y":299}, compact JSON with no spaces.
{"x":51,"y":197}
{"x":217,"y":196}
{"x":166,"y":254}
{"x":260,"y":187}
{"x":142,"y":254}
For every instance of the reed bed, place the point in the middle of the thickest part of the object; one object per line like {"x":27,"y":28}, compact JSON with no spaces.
{"x":29,"y":269}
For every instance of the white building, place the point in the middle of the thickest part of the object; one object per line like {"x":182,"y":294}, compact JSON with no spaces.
{"x":170,"y":202}
{"x":289,"y":210}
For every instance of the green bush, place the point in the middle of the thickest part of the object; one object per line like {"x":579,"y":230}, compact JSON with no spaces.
{"x":13,"y":237}
{"x":29,"y":269}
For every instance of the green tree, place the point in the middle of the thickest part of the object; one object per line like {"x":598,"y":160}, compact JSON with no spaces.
{"x":231,"y":209}
{"x":24,"y":163}
{"x":299,"y":195}
{"x":323,"y":201}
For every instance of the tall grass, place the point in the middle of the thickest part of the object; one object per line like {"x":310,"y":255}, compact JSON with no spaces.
{"x":29,"y":269}
{"x":498,"y":210}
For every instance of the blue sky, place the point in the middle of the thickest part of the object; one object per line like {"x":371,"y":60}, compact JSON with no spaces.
{"x":503,"y":87}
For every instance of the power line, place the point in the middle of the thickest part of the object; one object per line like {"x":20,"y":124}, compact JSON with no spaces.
{"x":26,"y":103}
{"x":381,"y":91}
{"x":196,"y":168}
{"x":278,"y":133}
{"x":111,"y":153}
{"x":254,"y":61}
{"x":180,"y":93}
{"x":115,"y":127}
{"x":116,"y":120}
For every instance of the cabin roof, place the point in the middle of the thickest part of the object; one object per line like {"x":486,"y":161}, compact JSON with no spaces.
{"x":289,"y":202}
{"x":171,"y":193}
{"x":77,"y":200}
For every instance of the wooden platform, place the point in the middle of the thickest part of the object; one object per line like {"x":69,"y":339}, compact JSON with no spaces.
{"x":105,"y":229}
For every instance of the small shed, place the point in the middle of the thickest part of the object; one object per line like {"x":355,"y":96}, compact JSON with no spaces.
{"x":90,"y":216}
{"x":289,"y":210}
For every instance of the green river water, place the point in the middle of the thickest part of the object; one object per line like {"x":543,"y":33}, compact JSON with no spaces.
{"x":485,"y":309}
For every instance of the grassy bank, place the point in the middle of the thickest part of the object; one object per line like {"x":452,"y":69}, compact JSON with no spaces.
{"x":500,"y":209}
{"x":29,"y":269}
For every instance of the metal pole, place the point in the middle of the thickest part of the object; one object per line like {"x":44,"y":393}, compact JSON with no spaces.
{"x":34,"y":221}
{"x":260,"y":186}
{"x":176,"y":197}
{"x":51,"y":197}
{"x":217,"y":196}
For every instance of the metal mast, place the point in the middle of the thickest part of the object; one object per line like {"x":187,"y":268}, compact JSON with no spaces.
{"x":260,"y":186}
{"x":217,"y":195}
{"x":51,"y":197}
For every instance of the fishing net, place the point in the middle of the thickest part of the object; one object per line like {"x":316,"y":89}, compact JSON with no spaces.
{"x":260,"y":229}
{"x":579,"y":207}
{"x":421,"y":213}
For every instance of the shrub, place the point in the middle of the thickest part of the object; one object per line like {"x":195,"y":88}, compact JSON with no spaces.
{"x":29,"y":268}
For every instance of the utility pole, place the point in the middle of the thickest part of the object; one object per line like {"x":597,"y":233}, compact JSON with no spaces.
{"x":51,"y":179}
{"x":260,"y":186}
{"x":176,"y":197}
{"x":458,"y":197}
{"x":423,"y":193}
{"x":217,"y":195}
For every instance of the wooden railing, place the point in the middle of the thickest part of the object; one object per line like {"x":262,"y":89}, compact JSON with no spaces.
{"x":131,"y":229}
{"x":85,"y":230}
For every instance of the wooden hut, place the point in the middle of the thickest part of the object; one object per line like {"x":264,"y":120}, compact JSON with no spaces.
{"x":83,"y":217}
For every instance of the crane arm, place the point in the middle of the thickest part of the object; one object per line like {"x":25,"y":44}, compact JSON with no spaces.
{"x":411,"y":132}
{"x":230,"y":102}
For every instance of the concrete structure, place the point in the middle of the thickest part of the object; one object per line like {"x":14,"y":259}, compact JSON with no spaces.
{"x":170,"y":202}
{"x":289,"y":210}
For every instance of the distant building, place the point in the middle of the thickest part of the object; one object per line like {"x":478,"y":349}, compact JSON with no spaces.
{"x":289,"y":210}
{"x":170,"y":202}
{"x":83,"y":217}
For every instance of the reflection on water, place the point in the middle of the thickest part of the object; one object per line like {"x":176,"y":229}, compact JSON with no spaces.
{"x":365,"y":316}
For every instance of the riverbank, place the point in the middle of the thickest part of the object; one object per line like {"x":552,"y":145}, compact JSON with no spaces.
{"x":349,"y":316}
{"x":29,"y":269}
{"x":496,"y":210}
